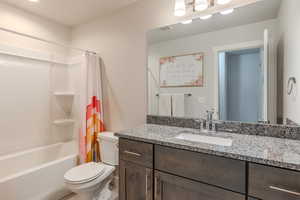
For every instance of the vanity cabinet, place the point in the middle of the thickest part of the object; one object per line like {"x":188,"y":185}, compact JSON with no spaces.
{"x":156,"y":172}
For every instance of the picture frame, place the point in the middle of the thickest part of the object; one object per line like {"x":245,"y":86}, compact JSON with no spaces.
{"x":182,"y":70}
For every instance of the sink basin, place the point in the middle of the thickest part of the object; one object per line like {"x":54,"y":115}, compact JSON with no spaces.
{"x":205,"y":139}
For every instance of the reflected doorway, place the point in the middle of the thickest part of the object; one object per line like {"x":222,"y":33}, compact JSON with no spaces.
{"x":241,"y":85}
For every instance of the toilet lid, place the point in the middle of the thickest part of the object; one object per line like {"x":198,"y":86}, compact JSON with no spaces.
{"x":85,"y":172}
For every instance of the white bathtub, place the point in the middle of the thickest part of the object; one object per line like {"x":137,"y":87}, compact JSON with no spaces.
{"x":37,"y":174}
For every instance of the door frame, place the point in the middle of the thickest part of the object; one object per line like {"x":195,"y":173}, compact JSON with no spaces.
{"x":231,"y":47}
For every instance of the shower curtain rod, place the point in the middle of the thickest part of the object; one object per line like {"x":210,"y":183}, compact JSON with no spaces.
{"x":47,"y":41}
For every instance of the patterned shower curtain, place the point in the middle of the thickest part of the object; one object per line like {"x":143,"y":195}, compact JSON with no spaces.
{"x":91,"y":109}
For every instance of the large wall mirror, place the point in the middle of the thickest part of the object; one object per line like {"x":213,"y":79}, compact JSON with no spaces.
{"x":244,"y":65}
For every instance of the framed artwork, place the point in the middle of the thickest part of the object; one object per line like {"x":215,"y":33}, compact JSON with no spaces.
{"x":181,"y":71}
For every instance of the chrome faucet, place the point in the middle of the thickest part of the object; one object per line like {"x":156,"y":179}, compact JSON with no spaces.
{"x":209,"y":125}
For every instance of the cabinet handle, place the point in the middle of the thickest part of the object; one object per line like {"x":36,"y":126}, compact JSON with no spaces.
{"x":157,"y":195}
{"x":148,"y":197}
{"x":284,"y":190}
{"x":132,"y":153}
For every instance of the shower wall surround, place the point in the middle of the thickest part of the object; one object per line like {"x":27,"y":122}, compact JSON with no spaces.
{"x":28,"y":105}
{"x":16,"y":19}
{"x":25,"y":89}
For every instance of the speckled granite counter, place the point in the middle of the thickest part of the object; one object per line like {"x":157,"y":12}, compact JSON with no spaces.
{"x":272,"y":151}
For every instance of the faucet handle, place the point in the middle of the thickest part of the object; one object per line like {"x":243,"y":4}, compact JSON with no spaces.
{"x":197,"y":122}
{"x":210,"y":114}
{"x":212,"y":111}
{"x":200,"y":121}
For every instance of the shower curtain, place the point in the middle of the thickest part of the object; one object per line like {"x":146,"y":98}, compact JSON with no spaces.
{"x":91,"y":109}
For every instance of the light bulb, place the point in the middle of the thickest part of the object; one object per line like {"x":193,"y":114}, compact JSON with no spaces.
{"x":206,"y":17}
{"x":187,"y":21}
{"x":201,"y":5}
{"x":35,"y":1}
{"x":179,"y":8}
{"x":222,"y":2}
{"x":227,"y":12}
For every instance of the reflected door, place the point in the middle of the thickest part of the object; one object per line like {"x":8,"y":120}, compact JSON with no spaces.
{"x":241,"y":86}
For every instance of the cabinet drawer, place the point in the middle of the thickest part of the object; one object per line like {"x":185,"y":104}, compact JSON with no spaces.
{"x":170,"y":187}
{"x":136,"y":152}
{"x":270,"y":183}
{"x":215,"y":170}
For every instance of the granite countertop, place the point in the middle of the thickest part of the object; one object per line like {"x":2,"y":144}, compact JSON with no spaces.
{"x":272,"y":151}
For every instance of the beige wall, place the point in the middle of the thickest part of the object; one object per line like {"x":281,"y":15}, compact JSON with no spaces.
{"x":289,"y":48}
{"x":24,"y":22}
{"x":18,"y":20}
{"x":121,"y":40}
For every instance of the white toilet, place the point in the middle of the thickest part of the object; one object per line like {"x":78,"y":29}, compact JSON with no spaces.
{"x":90,"y":181}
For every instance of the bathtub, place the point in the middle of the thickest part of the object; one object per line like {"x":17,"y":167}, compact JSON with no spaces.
{"x":37,"y":174}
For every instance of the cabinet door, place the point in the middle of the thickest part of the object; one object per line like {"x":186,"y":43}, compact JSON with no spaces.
{"x":136,"y":182}
{"x":271,"y":183}
{"x":251,"y":198}
{"x":170,"y":187}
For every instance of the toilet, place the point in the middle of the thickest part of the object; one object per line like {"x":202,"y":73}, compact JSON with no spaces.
{"x":90,"y":181}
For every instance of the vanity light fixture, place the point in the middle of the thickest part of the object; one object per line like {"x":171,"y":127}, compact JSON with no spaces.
{"x":187,"y":21}
{"x":180,"y":8}
{"x":34,"y":1}
{"x":205,"y":17}
{"x":201,"y":5}
{"x":222,"y":2}
{"x":227,"y":12}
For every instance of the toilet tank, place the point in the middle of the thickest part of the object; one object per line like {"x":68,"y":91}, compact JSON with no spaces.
{"x":109,"y":150}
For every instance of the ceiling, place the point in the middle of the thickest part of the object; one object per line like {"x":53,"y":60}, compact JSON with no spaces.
{"x":260,"y":11}
{"x":70,"y":12}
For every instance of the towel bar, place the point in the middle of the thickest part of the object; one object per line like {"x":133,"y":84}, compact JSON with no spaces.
{"x":189,"y":94}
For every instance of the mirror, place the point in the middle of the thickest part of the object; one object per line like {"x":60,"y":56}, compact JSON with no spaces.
{"x":238,"y":65}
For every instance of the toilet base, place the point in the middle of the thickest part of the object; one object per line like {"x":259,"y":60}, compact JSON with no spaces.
{"x":103,"y":192}
{"x":84,"y":196}
{"x":96,"y":189}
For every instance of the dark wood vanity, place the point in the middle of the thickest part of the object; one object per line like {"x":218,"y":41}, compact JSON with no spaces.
{"x":154,"y":172}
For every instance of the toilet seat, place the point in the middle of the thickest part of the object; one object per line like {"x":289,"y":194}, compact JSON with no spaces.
{"x":89,"y":186}
{"x":84,"y":173}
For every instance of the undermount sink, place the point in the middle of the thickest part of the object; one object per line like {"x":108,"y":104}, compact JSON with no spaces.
{"x":205,"y":139}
